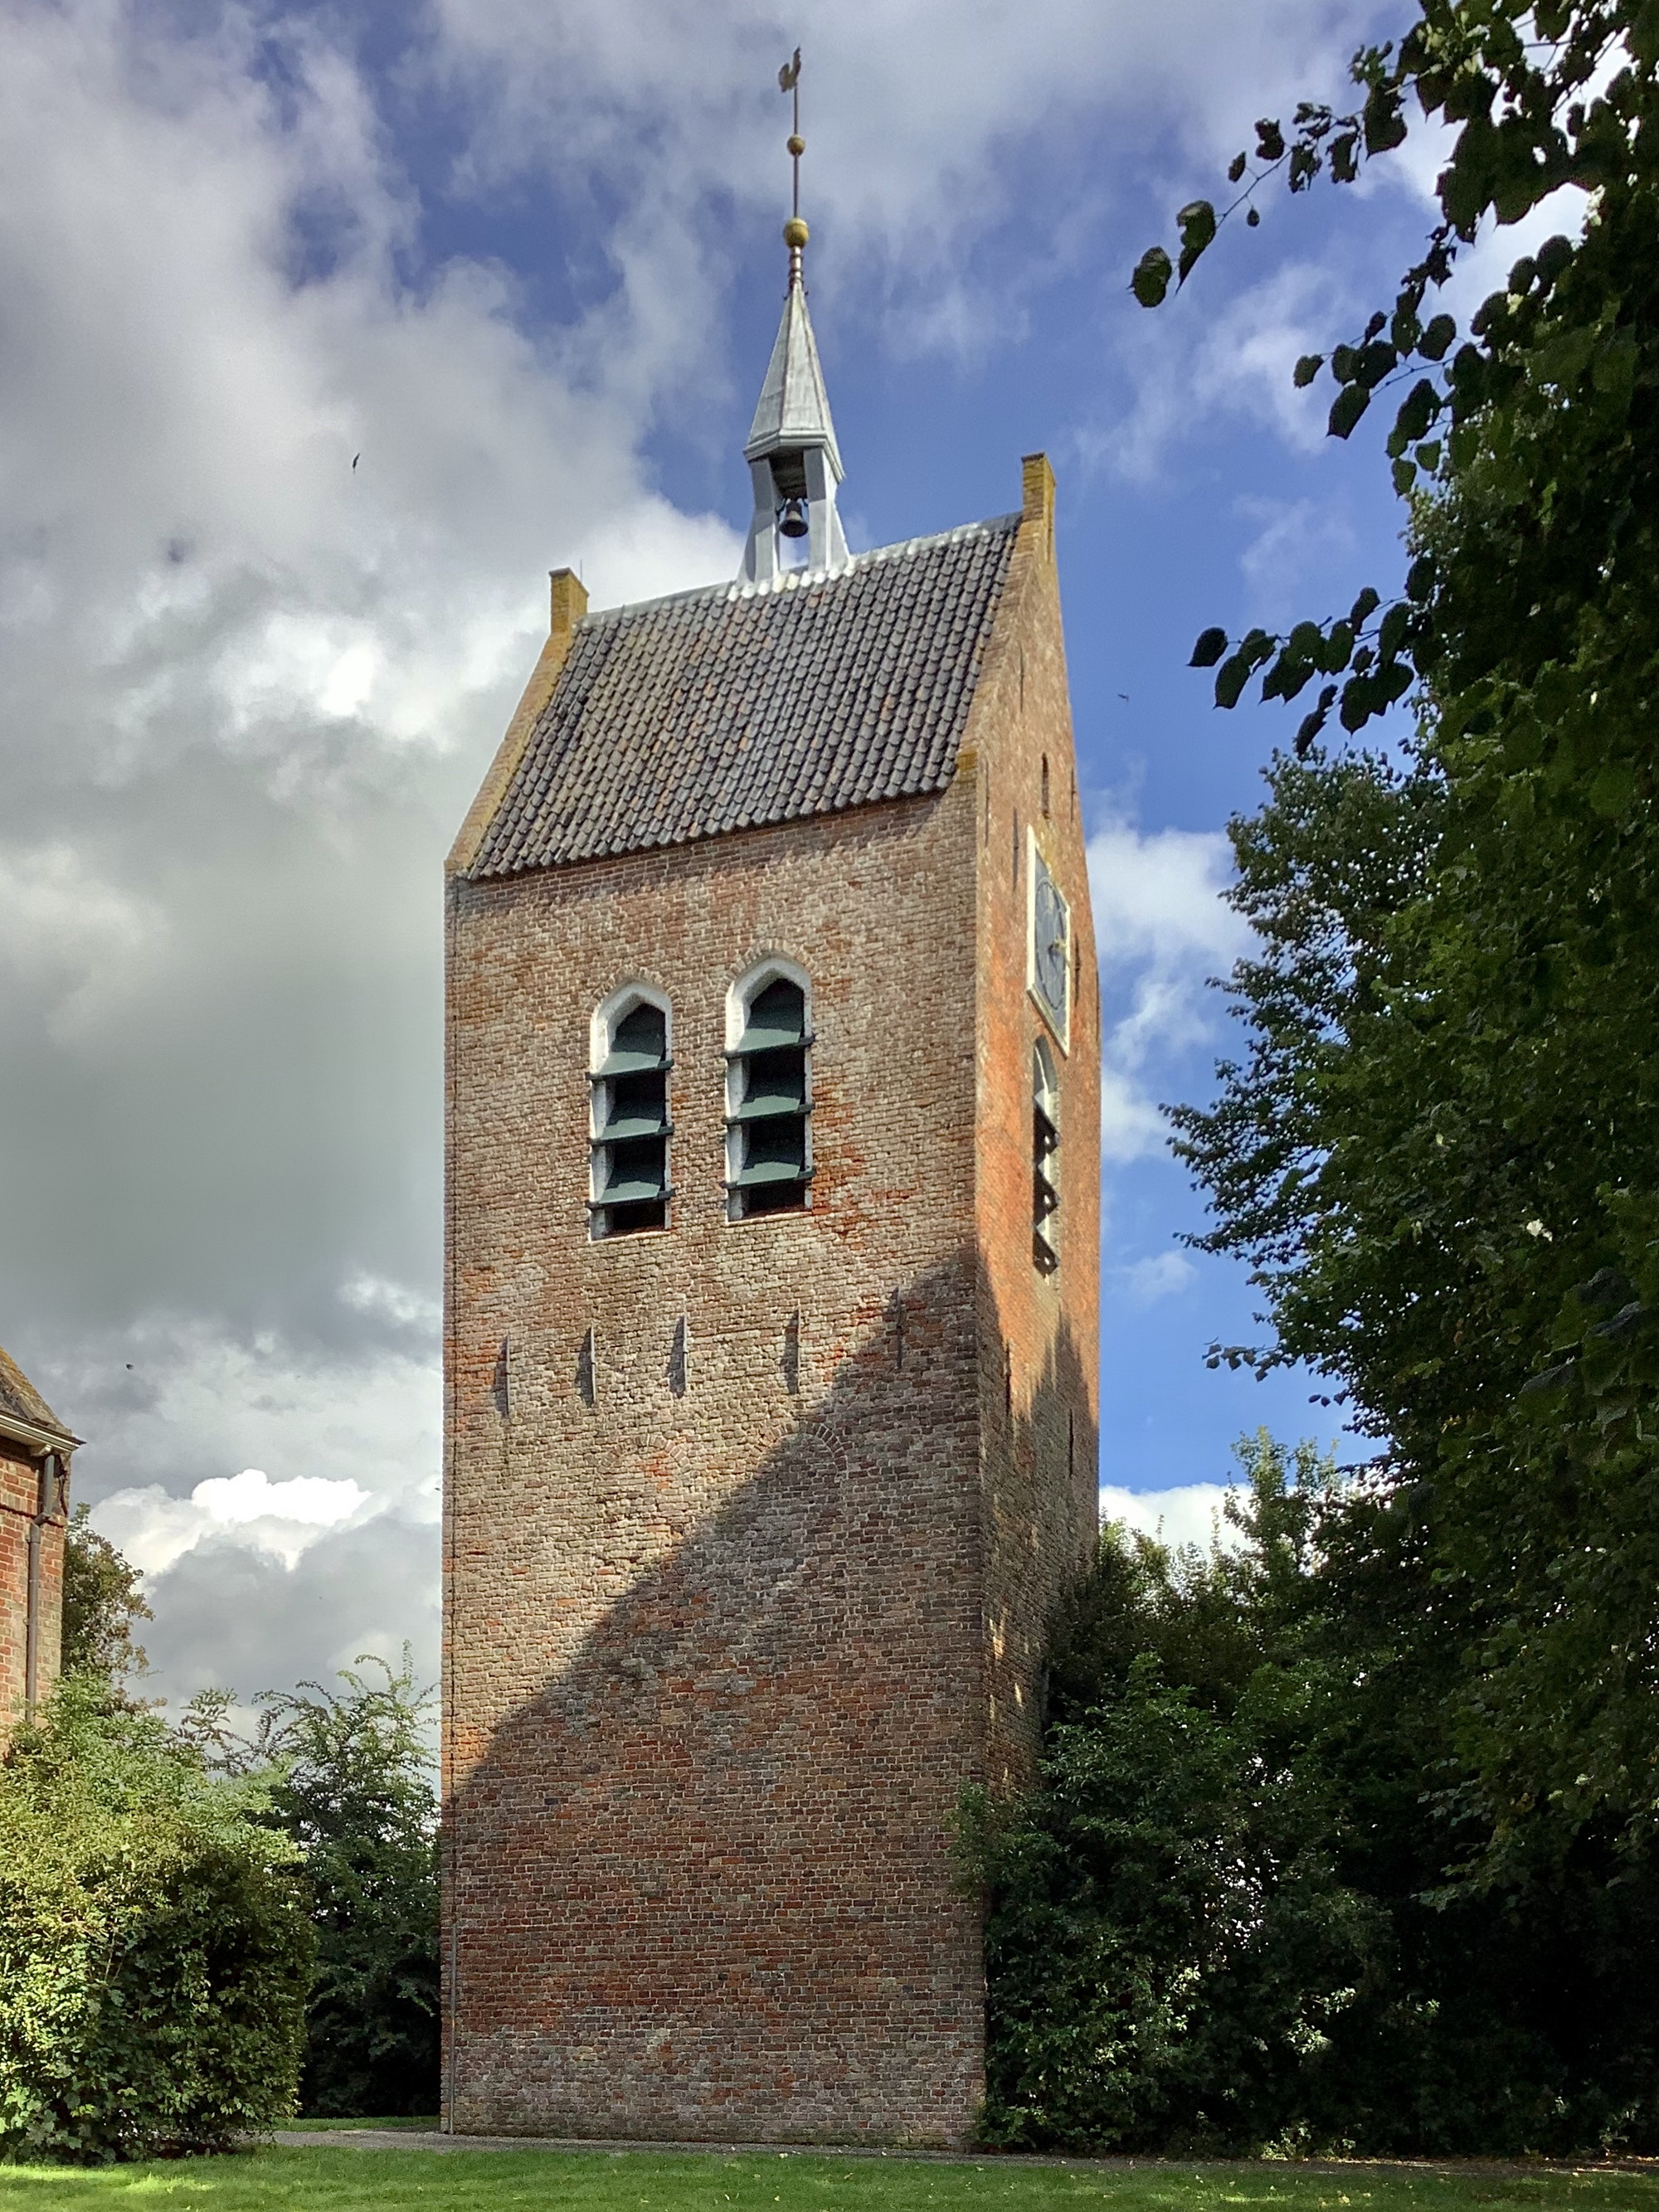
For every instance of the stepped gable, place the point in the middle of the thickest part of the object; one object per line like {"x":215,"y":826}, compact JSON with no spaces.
{"x":22,"y":1401}
{"x":729,"y":708}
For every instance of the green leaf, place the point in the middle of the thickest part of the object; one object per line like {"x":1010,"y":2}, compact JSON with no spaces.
{"x":1311,"y":725}
{"x":1420,"y":578}
{"x":1613,"y":788}
{"x":1269,"y":141}
{"x":1405,"y":475}
{"x":1339,"y":649}
{"x":1196,"y":223}
{"x":1363,"y":608}
{"x":1212,"y":644}
{"x":1350,"y":405}
{"x":1230,"y":678}
{"x":1417,"y":410}
{"x":1385,"y":126}
{"x":1436,"y":341}
{"x":1289,"y":675}
{"x":1392,"y":634}
{"x":1374,"y":363}
{"x":1306,"y":370}
{"x":1236,"y":168}
{"x":1150,"y":280}
{"x":1360,"y":700}
{"x":1306,"y":640}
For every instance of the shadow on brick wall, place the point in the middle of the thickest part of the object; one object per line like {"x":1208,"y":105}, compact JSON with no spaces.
{"x":700,"y":1884}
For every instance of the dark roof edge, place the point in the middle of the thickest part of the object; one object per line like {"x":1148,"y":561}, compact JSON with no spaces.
{"x":794,"y":580}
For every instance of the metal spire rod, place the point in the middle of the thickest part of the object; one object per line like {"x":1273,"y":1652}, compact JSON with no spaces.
{"x":794,"y":230}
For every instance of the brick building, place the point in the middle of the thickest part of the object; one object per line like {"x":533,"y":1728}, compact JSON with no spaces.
{"x":773,"y":1307}
{"x":34,"y":1462}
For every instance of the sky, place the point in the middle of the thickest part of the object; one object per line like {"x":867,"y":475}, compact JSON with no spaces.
{"x":325,"y":333}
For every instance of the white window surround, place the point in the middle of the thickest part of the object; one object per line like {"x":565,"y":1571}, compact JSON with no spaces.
{"x":602,"y":1024}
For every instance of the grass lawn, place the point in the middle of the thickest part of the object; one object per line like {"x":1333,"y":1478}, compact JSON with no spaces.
{"x":296,"y":2181}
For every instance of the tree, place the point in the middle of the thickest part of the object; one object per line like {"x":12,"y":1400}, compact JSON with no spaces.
{"x":1435,"y":1152}
{"x":1218,"y":1921}
{"x":353,"y":1790}
{"x":103,"y":1597}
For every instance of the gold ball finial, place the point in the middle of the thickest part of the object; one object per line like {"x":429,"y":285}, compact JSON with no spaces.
{"x":795,"y":232}
{"x":796,"y":144}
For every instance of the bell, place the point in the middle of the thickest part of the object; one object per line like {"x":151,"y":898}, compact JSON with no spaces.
{"x":793,"y":524}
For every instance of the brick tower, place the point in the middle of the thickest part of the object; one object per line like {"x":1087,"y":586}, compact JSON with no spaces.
{"x":773,"y":1304}
{"x":35,"y":1460}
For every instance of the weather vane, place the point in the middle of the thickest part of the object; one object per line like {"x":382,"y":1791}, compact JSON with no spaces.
{"x":795,"y":232}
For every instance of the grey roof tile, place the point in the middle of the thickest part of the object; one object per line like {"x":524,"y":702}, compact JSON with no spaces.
{"x":20,"y":1400}
{"x":741,"y":704}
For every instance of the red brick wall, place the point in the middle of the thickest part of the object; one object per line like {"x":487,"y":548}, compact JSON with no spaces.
{"x":718,"y":1664}
{"x":1040,"y":1336}
{"x":20,"y":1501}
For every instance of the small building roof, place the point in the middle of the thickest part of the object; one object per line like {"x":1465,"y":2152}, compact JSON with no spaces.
{"x":22,"y":1408}
{"x":740,"y":705}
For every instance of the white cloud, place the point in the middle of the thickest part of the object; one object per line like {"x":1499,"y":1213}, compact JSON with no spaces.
{"x":1160,"y":1276}
{"x":1295,"y":540}
{"x":1162,"y":927}
{"x":1234,"y":367}
{"x":153,"y":1529}
{"x":249,"y":689}
{"x":1191,"y":1513}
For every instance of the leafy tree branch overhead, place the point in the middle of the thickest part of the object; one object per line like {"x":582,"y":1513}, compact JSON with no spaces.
{"x":1546,"y":404}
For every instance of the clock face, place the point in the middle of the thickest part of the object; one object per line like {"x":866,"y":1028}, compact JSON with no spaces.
{"x":1051,"y":944}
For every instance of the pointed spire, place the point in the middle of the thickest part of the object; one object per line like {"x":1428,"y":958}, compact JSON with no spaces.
{"x":794,"y":463}
{"x":794,"y":408}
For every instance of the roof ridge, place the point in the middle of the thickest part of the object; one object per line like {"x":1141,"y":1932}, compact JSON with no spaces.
{"x":794,"y":579}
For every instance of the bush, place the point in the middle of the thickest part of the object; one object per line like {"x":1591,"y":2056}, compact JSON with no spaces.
{"x":155,"y":1950}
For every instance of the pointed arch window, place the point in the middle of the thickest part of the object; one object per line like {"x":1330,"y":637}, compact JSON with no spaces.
{"x":1045,"y":1161}
{"x":629,"y":1126}
{"x":769,"y":1093}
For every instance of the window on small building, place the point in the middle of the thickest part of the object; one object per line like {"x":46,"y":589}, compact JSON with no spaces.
{"x":769,"y":1096}
{"x":630,"y":1128}
{"x":1045,"y":1161}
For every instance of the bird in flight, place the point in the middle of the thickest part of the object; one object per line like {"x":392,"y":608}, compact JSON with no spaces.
{"x":355,"y":457}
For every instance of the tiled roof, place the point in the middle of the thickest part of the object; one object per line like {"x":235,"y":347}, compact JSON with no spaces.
{"x":727,"y":707}
{"x":21,"y":1402}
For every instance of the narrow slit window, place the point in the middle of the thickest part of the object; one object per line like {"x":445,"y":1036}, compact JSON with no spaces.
{"x":1045,"y":1162}
{"x":768,"y":1102}
{"x":629,"y":1168}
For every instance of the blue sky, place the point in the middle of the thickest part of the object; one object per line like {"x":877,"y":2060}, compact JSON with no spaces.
{"x":524,"y":262}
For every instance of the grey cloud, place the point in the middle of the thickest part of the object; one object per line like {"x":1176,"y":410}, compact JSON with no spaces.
{"x":229,"y":1617}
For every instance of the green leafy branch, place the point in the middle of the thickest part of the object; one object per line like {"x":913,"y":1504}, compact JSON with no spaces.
{"x":1527,"y":123}
{"x":1372,"y":642}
